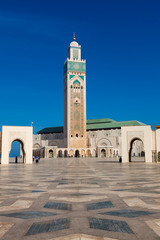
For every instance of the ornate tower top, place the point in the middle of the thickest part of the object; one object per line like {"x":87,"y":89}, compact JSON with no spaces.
{"x":74,"y":50}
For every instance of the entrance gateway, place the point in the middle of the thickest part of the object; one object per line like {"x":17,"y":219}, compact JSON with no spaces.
{"x":141,"y":153}
{"x":23,"y":135}
{"x":142,"y":133}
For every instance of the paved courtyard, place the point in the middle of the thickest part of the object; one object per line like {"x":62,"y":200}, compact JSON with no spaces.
{"x":80,"y":199}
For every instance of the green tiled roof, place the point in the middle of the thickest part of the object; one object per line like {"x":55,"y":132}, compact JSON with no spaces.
{"x":95,"y":124}
{"x":51,"y":130}
{"x":113,"y":124}
{"x":101,"y":120}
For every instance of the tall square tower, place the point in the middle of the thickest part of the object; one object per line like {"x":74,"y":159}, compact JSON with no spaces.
{"x":75,"y":98}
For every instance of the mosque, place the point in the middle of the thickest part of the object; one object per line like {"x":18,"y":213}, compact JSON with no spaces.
{"x":102,"y":138}
{"x":80,"y":137}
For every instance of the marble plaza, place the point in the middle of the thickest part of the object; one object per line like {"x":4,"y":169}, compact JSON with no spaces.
{"x":79,"y":198}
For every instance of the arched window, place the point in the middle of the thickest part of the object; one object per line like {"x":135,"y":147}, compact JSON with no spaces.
{"x":65,"y":153}
{"x":60,"y":153}
{"x":103,"y":153}
{"x":77,"y":153}
{"x":50,"y":153}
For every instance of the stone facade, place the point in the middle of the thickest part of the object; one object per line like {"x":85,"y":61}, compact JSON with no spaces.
{"x":24,"y":135}
{"x":92,"y":138}
{"x":75,"y":98}
{"x":109,"y":140}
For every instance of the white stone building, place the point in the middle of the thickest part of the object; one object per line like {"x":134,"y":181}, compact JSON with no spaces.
{"x":103,"y":139}
{"x":87,"y":138}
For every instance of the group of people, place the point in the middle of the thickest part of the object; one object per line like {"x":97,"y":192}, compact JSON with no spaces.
{"x":36,"y":159}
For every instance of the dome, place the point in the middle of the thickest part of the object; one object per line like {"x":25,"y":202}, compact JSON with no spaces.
{"x":74,"y":44}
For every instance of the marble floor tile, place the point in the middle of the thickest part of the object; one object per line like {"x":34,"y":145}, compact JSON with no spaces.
{"x":110,"y":225}
{"x":136,"y":202}
{"x":44,"y":227}
{"x":19,"y":204}
{"x":80,"y":199}
{"x":4,"y":227}
{"x":155,"y":225}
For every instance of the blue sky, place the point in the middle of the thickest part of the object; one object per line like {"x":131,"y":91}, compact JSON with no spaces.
{"x":120,"y":41}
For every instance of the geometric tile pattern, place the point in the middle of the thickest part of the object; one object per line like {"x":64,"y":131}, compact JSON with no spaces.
{"x":43,"y":227}
{"x":99,"y":205}
{"x":127,"y":213}
{"x":85,"y":184}
{"x":59,"y":206}
{"x":109,"y":225}
{"x":29,"y":215}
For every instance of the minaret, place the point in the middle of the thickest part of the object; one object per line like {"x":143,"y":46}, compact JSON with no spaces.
{"x":75,"y":97}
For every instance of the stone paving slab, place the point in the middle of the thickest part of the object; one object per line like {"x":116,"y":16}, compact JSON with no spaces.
{"x":127,"y":213}
{"x":59,"y":206}
{"x":99,"y":205}
{"x":4,"y":227}
{"x":29,"y":215}
{"x":110,"y":225}
{"x":80,"y":199}
{"x":44,"y":227}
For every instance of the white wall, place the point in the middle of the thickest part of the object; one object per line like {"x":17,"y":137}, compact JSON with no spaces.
{"x":142,"y":132}
{"x":158,"y":140}
{"x":12,"y":133}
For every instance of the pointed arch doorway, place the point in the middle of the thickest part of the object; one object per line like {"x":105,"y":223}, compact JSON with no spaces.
{"x":77,"y":154}
{"x":136,"y":155}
